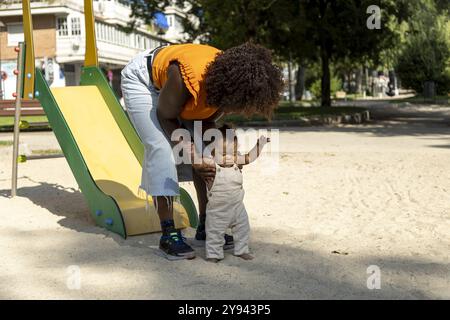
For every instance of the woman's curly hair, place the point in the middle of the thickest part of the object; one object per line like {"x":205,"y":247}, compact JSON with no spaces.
{"x":244,"y":80}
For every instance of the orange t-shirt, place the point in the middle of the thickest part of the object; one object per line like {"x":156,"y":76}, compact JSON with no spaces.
{"x":192,"y":60}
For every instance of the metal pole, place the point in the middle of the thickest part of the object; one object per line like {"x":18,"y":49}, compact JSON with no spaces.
{"x":2,"y":25}
{"x":20,"y":66}
{"x":28,"y":81}
{"x":290,"y":80}
{"x":91,"y":56}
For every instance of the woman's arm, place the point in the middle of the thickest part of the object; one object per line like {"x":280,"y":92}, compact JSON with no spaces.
{"x":172,"y":99}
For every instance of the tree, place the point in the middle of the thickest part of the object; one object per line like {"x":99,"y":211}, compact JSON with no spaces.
{"x":304,"y":30}
{"x":145,"y":10}
{"x":425,"y":55}
{"x":338,"y":29}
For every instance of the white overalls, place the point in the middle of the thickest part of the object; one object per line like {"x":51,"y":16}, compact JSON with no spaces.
{"x":225,"y":209}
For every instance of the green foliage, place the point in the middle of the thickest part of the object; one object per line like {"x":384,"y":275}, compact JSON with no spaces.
{"x":296,"y":113}
{"x":312,"y":73}
{"x":306,"y":31}
{"x":424,"y":61}
{"x":313,"y":80}
{"x":425,"y":56}
{"x":316,"y":87}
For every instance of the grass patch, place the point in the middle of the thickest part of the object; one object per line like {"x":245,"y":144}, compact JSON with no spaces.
{"x":7,"y":123}
{"x":290,"y":112}
{"x":47,"y":152}
{"x":421,"y":99}
{"x":6,"y":143}
{"x":302,"y":103}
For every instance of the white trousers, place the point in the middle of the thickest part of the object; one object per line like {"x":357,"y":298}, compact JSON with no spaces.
{"x":225,"y":209}
{"x":160,"y":175}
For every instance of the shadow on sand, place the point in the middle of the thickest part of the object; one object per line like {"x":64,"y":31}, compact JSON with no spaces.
{"x":280,"y":271}
{"x":67,"y":203}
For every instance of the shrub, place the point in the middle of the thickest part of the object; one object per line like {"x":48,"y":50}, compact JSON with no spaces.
{"x":426,"y":53}
{"x":316,"y":87}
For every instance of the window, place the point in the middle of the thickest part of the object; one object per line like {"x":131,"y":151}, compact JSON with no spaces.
{"x":15,"y":34}
{"x":170,"y":21}
{"x":114,"y":35}
{"x":76,"y":26}
{"x":69,"y":67}
{"x":61,"y":26}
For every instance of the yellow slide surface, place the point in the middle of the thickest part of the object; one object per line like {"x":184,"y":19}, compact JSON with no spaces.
{"x":110,"y":160}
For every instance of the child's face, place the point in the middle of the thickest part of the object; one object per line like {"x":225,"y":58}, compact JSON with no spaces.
{"x":230,"y":146}
{"x":229,"y":143}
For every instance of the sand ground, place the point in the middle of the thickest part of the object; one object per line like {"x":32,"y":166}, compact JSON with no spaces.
{"x":342,"y":199}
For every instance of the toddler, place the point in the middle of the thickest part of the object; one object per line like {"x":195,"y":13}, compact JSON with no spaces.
{"x":225,"y":208}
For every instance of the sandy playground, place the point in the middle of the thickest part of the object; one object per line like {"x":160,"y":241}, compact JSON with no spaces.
{"x":344,"y":198}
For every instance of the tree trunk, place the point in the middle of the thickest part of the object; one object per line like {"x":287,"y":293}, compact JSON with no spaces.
{"x":291,"y":83}
{"x":300,"y":85}
{"x":326,"y":78}
{"x":359,"y":81}
{"x":429,"y":90}
{"x":325,"y":54}
{"x":366,"y":81}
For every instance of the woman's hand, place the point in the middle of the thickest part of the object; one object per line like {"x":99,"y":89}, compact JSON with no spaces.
{"x":206,"y":169}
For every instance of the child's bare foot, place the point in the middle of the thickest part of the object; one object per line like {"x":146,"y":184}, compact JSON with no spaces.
{"x":214,"y":260}
{"x":246,"y":256}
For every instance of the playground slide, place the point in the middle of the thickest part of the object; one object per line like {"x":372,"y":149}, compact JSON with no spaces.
{"x":99,"y":143}
{"x":104,"y":155}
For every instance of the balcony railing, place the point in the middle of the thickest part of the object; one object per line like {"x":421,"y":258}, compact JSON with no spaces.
{"x":15,"y":4}
{"x":125,"y":3}
{"x":7,"y":2}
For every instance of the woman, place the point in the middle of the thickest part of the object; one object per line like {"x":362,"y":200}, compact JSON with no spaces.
{"x":173,"y":86}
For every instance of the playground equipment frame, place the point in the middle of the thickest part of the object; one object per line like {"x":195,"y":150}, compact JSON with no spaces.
{"x":104,"y":209}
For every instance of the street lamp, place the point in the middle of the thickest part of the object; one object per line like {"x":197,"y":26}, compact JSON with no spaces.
{"x":2,"y":25}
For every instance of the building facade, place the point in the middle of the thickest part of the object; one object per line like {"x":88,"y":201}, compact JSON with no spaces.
{"x":59,"y":39}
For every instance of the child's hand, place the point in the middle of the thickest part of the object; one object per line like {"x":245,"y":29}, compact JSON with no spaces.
{"x":262,"y":141}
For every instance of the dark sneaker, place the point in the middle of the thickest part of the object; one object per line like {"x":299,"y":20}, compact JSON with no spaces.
{"x":200,"y":235}
{"x":174,"y":247}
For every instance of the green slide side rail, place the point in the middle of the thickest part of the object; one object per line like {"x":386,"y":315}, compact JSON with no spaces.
{"x":93,"y":76}
{"x":103,"y":208}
